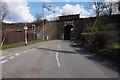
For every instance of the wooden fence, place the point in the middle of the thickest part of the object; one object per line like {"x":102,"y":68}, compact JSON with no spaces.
{"x":16,"y":37}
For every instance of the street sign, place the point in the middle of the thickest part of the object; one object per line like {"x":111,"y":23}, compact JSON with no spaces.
{"x":25,"y":27}
{"x":77,"y":31}
{"x":33,"y":27}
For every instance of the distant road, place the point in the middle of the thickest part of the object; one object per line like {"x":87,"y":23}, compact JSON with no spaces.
{"x":57,"y":59}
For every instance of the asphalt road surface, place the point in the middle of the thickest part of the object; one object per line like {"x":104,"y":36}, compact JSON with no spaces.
{"x":56,"y":59}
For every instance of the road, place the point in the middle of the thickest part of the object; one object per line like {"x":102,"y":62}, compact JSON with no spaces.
{"x":56,"y":59}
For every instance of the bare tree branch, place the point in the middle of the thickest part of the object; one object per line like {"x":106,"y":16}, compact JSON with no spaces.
{"x":38,"y":20}
{"x":4,"y":10}
{"x":105,"y":8}
{"x":38,"y":16}
{"x":97,"y":7}
{"x":119,"y":5}
{"x":109,"y":8}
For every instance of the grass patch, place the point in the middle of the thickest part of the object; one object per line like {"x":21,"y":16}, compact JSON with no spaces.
{"x":21,"y":44}
{"x":116,"y":46}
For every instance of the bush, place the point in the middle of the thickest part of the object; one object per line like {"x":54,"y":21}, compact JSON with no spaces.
{"x":105,"y":43}
{"x":99,"y":39}
{"x":89,"y":29}
{"x":105,"y":23}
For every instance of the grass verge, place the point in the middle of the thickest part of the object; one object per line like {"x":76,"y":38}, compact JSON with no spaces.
{"x":21,"y":44}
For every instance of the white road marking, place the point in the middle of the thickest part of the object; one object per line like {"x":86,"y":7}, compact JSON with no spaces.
{"x":73,"y":42}
{"x":11,"y":57}
{"x":17,"y":54}
{"x":57,"y":59}
{"x":2,"y":57}
{"x":59,"y":46}
{"x":3,"y":61}
{"x":58,"y":62}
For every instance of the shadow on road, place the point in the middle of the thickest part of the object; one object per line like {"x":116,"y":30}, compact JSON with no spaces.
{"x":87,"y":55}
{"x":97,"y":59}
{"x":76,"y":46}
{"x":57,"y":50}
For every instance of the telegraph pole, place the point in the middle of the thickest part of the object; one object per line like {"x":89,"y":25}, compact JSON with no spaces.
{"x":43,"y":6}
{"x":43,"y":18}
{"x":54,"y":15}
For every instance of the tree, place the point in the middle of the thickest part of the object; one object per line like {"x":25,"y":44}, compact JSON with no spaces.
{"x":119,"y":5}
{"x":38,"y":21}
{"x":97,"y":7}
{"x":38,"y":16}
{"x":105,"y":8}
{"x":109,"y":8}
{"x":4,"y":10}
{"x":0,"y":11}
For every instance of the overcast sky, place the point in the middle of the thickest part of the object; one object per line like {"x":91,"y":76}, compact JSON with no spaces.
{"x":24,"y":10}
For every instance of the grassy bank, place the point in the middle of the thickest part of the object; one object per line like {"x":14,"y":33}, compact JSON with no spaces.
{"x":21,"y":44}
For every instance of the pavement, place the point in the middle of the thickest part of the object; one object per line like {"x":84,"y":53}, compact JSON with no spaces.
{"x":55,"y":59}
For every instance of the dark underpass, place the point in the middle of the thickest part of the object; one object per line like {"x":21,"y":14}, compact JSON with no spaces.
{"x":67,"y":32}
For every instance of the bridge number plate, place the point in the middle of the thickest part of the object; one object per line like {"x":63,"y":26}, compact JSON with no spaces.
{"x":68,"y":23}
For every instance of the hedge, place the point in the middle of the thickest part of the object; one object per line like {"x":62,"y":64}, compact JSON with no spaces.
{"x":102,"y":43}
{"x":99,"y":39}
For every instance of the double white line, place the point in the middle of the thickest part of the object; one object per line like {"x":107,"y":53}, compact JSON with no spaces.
{"x":3,"y":57}
{"x":58,"y":62}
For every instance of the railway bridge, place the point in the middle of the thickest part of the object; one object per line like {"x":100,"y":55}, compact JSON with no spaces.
{"x":67,"y":27}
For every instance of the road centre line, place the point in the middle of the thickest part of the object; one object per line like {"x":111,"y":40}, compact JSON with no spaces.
{"x":57,"y":59}
{"x":58,"y":62}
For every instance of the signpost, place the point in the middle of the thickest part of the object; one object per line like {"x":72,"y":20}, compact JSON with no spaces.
{"x":33,"y":28}
{"x":25,"y":28}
